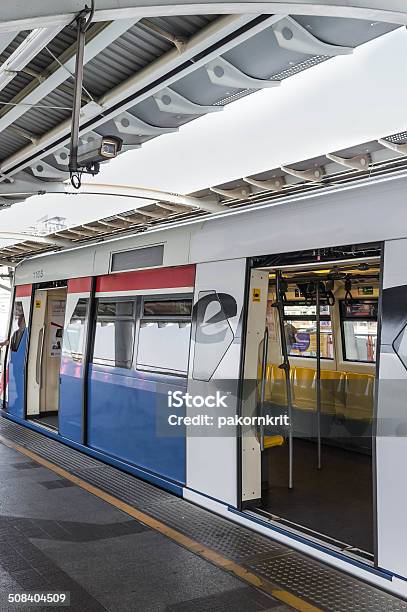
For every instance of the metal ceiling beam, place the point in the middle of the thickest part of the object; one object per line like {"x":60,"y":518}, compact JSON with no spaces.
{"x":169,"y":101}
{"x":234,"y":194}
{"x":398,"y":148}
{"x":358,"y":162}
{"x":274,"y":184}
{"x":224,"y":74}
{"x":126,"y":123}
{"x":314,"y":175}
{"x":32,"y":238}
{"x":38,"y":13}
{"x":153,"y":195}
{"x":292,"y":36}
{"x":197,"y":44}
{"x":95,"y":45}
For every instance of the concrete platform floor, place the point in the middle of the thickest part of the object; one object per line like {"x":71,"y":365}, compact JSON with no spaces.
{"x":55,"y":536}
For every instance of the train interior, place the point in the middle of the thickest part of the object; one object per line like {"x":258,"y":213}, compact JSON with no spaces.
{"x":44,"y":356}
{"x":319,"y":370}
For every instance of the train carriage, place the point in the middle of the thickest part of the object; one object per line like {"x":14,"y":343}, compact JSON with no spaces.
{"x":295,"y":309}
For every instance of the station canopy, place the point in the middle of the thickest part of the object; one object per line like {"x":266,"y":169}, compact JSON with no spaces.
{"x":148,"y":70}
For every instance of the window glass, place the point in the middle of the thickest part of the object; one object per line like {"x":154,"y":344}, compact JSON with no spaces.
{"x":74,"y":336}
{"x":359,"y":310}
{"x":360,"y":338}
{"x":359,"y":330}
{"x":114,"y":334}
{"x":115,"y":309}
{"x":164,"y":346}
{"x":17,"y":326}
{"x":167,"y":308}
{"x":146,"y":257}
{"x":301,"y":330}
{"x":164,"y":335}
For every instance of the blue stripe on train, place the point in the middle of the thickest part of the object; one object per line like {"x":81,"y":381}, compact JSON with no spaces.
{"x":71,"y":399}
{"x":16,"y":370}
{"x":128,"y":418}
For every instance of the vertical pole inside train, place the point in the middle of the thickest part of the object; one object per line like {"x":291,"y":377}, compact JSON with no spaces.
{"x":263,"y":383}
{"x":286,"y":367}
{"x":318,"y":377}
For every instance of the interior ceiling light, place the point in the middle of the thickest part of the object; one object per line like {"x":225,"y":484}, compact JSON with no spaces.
{"x":25,"y":52}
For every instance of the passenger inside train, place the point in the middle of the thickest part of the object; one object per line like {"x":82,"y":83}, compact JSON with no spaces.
{"x":318,"y":365}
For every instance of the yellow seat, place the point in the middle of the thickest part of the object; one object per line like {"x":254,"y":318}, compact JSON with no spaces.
{"x":359,"y":396}
{"x":304,"y":389}
{"x":276,"y":387}
{"x":332,"y":391}
{"x":270,"y":441}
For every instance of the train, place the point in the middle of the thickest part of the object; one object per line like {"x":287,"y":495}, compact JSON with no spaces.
{"x":293,"y":308}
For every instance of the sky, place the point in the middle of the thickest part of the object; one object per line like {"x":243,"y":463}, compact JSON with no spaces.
{"x":345,"y":101}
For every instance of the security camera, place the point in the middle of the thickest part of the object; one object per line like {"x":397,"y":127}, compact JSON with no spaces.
{"x":91,"y":154}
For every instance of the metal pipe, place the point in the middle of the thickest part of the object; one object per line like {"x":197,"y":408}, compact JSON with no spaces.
{"x":77,"y":98}
{"x":263,"y":383}
{"x":286,"y":367}
{"x":318,"y":377}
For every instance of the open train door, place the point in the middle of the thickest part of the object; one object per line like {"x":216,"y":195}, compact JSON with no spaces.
{"x":16,"y":354}
{"x":44,"y":355}
{"x":256,"y":343}
{"x":74,"y":362}
{"x":391,"y":429}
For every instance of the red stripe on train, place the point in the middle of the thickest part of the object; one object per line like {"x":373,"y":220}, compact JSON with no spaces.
{"x":79,"y":285}
{"x":158,"y":278}
{"x":23,"y":290}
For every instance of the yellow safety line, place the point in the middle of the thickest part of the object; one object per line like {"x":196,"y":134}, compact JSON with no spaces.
{"x":207,"y":553}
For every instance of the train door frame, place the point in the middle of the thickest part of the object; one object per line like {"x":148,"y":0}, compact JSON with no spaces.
{"x":35,"y":287}
{"x":5,"y":357}
{"x":253,"y":264}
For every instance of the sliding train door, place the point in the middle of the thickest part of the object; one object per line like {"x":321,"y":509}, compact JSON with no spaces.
{"x":309,"y":370}
{"x":15,"y":362}
{"x":73,"y":371}
{"x":391,"y":436}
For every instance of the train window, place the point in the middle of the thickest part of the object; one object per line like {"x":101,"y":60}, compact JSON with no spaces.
{"x":74,"y":335}
{"x":146,"y":257}
{"x":164,"y":336}
{"x":359,"y":330}
{"x":300,"y":330}
{"x":164,"y":346}
{"x":167,"y":308}
{"x":114,"y":334}
{"x":18,"y":326}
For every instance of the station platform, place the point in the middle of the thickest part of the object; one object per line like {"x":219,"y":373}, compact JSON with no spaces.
{"x":71,"y":523}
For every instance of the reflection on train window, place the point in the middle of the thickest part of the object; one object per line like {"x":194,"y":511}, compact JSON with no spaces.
{"x":300,"y":330}
{"x":163,"y":346}
{"x":167,"y":308}
{"x":164,"y":335}
{"x":359,"y":330}
{"x":115,"y":309}
{"x":74,"y":336}
{"x":114,"y":334}
{"x":18,"y":326}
